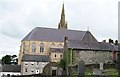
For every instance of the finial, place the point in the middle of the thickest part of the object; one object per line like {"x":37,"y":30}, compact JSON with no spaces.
{"x":88,"y":28}
{"x":63,"y":9}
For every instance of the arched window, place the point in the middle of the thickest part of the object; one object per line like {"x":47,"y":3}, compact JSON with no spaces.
{"x":41,"y":47}
{"x":52,"y":45}
{"x":55,"y":55}
{"x":34,"y":47}
{"x":60,"y":55}
{"x":60,"y":45}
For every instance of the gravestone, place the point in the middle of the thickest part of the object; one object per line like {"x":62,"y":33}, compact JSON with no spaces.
{"x":101,"y":66}
{"x":81,"y":68}
{"x":97,"y":72}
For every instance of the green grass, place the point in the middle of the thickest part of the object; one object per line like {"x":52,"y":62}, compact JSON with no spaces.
{"x":111,"y":71}
{"x":88,"y":71}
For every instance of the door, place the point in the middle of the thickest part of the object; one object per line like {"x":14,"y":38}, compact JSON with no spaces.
{"x":54,"y":73}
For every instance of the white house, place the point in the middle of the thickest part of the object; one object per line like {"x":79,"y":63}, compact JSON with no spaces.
{"x":9,"y":70}
{"x":33,"y":64}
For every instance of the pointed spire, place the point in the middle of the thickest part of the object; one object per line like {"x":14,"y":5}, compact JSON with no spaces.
{"x":63,"y":10}
{"x":62,"y":24}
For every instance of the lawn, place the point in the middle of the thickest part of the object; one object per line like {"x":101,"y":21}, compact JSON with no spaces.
{"x":108,"y":71}
{"x":111,"y":71}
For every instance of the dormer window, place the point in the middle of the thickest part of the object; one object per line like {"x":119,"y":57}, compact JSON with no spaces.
{"x":34,"y":47}
{"x":41,"y":47}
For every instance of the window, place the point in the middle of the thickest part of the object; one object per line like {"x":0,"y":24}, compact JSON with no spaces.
{"x":37,"y":71}
{"x":52,"y":45}
{"x":60,"y":45}
{"x":32,"y":63}
{"x":34,"y":47}
{"x":32,"y":70}
{"x":25,"y":69}
{"x":41,"y":47}
{"x":26,"y":63}
{"x":55,"y":55}
{"x":60,"y":55}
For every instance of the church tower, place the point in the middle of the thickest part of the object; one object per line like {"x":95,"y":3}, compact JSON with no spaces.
{"x":62,"y":24}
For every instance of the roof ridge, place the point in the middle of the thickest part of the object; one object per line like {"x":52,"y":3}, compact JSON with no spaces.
{"x":59,"y":29}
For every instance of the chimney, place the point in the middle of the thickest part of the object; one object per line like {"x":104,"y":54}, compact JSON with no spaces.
{"x":116,"y":42}
{"x":104,"y":41}
{"x":65,"y":39}
{"x":111,"y":41}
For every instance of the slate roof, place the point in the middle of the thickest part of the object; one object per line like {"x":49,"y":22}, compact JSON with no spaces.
{"x":36,"y":58}
{"x":56,"y":50}
{"x":100,"y":46}
{"x":56,"y":35}
{"x":77,"y":39}
{"x":10,"y":68}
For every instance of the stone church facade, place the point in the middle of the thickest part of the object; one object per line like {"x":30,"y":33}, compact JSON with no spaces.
{"x":50,"y":42}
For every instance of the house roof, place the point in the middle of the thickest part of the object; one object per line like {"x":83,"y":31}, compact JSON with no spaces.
{"x":56,"y":35}
{"x":36,"y":58}
{"x":10,"y":68}
{"x":101,"y":46}
{"x":75,"y":44}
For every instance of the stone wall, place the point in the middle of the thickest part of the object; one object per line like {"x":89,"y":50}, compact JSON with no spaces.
{"x":94,"y":57}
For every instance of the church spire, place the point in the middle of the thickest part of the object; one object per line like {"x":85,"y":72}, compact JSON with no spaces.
{"x":63,"y":10}
{"x":62,"y":24}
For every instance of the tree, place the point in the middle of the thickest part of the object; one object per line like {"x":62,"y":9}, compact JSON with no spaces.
{"x":71,"y":56}
{"x":62,"y":63}
{"x":68,"y":60}
{"x":68,"y":57}
{"x":9,"y":59}
{"x":6,"y":59}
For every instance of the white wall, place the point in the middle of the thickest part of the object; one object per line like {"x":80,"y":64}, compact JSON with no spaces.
{"x":11,"y":73}
{"x":32,"y":66}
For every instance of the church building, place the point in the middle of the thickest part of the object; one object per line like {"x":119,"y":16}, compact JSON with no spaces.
{"x":49,"y":43}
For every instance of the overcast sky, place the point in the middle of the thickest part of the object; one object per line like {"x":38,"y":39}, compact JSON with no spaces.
{"x":19,"y":17}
